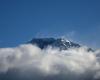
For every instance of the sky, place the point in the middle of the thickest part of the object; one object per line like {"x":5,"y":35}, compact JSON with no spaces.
{"x":22,"y":20}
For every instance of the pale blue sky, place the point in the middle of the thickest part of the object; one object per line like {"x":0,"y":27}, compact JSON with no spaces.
{"x":21,"y":20}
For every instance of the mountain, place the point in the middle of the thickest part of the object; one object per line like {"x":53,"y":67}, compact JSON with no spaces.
{"x":60,"y":43}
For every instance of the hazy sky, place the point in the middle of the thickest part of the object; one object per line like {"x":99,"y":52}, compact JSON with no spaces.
{"x":22,"y":20}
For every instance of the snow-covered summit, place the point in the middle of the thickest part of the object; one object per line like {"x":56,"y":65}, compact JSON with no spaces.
{"x":61,"y":43}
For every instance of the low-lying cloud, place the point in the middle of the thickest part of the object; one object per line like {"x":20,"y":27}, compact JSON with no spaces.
{"x":29,"y":62}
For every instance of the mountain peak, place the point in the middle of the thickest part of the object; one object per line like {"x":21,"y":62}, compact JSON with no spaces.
{"x":61,"y":43}
{"x":64,"y":40}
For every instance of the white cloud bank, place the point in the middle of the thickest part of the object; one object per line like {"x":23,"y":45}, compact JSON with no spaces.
{"x":28,"y":62}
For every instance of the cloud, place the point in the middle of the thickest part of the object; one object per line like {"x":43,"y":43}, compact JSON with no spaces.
{"x":29,"y":62}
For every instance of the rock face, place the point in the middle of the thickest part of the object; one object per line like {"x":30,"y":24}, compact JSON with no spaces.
{"x":60,"y":43}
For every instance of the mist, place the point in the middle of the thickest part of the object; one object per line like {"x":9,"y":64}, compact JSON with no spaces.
{"x":29,"y":62}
